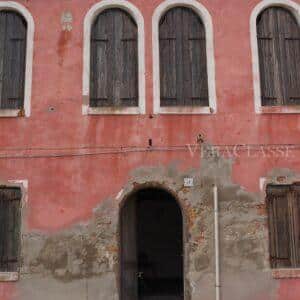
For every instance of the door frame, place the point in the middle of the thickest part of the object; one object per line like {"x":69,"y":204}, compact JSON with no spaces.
{"x":127,"y":197}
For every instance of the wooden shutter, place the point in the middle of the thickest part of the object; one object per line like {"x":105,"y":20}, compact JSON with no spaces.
{"x":279,"y":226}
{"x":114,"y":60}
{"x":183,"y":65}
{"x":289,"y":37}
{"x":279,"y":57}
{"x":10,"y":229}
{"x":283,"y":210}
{"x":295,"y":221}
{"x":13,"y":31}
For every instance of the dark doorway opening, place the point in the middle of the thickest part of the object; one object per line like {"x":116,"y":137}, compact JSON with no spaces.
{"x":151,"y":247}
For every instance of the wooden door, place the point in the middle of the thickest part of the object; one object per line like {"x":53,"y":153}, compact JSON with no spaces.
{"x":129,"y":263}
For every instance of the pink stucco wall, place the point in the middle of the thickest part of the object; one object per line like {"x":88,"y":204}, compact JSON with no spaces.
{"x":64,"y":190}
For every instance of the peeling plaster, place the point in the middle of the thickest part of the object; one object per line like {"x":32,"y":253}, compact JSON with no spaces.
{"x":90,"y":252}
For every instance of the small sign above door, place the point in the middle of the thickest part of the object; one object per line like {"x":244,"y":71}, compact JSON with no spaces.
{"x":188,"y":182}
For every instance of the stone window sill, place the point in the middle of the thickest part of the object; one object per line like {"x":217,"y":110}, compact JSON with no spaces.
{"x":182,"y":110}
{"x":112,"y":110}
{"x":286,"y":109}
{"x":9,"y":276}
{"x":10,"y":113}
{"x":286,"y":273}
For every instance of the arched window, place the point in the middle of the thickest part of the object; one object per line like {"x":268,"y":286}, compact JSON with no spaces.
{"x":278,"y":36}
{"x":13,"y":33}
{"x":183,"y":59}
{"x":114,"y":60}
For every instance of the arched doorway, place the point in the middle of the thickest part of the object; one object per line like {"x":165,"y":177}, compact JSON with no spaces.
{"x":151,"y":228}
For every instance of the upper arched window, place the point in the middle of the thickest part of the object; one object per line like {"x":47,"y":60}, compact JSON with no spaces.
{"x":13,"y":33}
{"x":114,"y":60}
{"x":278,"y":36}
{"x":183,"y":59}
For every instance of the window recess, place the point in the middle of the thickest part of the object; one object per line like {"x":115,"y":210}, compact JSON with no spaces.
{"x":283,"y":202}
{"x":278,"y":37}
{"x":10,"y":220}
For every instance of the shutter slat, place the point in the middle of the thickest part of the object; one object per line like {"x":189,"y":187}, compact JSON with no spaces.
{"x":290,"y":45}
{"x":99,"y":62}
{"x":279,"y":227}
{"x":10,"y":229}
{"x":178,"y":23}
{"x":2,"y":53}
{"x":2,"y":231}
{"x":199,"y":63}
{"x":16,"y":234}
{"x":293,"y":227}
{"x":269,"y":70}
{"x":118,"y":54}
{"x":129,"y":68}
{"x":296,"y":215}
{"x":111,"y":56}
{"x":167,"y":42}
{"x":272,"y":234}
{"x":187,"y":30}
{"x":282,"y":232}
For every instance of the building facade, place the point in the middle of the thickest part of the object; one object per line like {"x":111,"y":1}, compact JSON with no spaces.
{"x":149,"y":149}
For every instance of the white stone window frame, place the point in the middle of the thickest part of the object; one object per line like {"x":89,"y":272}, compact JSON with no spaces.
{"x":23,"y":11}
{"x":206,"y":18}
{"x":294,"y":8}
{"x":90,"y":17}
{"x":23,"y":185}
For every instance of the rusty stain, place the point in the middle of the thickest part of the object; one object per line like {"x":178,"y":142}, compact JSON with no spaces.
{"x":281,"y":178}
{"x":112,"y":248}
{"x":64,"y":38}
{"x":21,"y":112}
{"x":261,"y":209}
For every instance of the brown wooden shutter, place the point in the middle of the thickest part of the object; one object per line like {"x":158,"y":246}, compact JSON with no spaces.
{"x":279,"y":57}
{"x":284,"y":217}
{"x":289,"y":41}
{"x":114,"y":60}
{"x":9,"y":229}
{"x":183,"y":65}
{"x":295,"y":215}
{"x":279,"y":226}
{"x":13,"y":32}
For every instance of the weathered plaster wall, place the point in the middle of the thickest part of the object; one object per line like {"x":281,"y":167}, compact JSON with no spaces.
{"x":76,"y":168}
{"x":81,"y":260}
